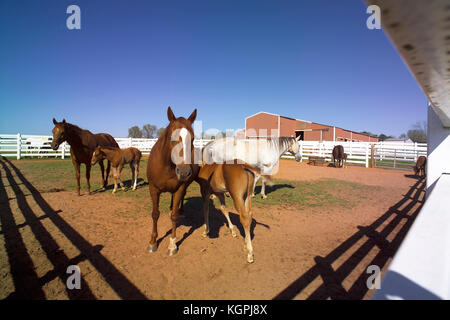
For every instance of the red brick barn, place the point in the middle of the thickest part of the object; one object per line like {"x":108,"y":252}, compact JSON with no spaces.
{"x":263,"y":124}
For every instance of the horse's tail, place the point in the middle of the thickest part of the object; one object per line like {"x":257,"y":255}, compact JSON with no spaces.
{"x":257,"y":171}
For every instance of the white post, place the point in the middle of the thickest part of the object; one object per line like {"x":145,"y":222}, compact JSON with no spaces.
{"x":367,"y":155}
{"x":19,"y":146}
{"x":415,"y":151}
{"x":438,"y":138}
{"x":130,"y":142}
{"x":63,"y":150}
{"x":301,"y":149}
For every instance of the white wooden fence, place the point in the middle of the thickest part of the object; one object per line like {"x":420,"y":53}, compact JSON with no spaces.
{"x":385,"y":154}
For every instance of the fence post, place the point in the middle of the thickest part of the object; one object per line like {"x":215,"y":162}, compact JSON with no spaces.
{"x":415,"y":151}
{"x":367,"y":155}
{"x":63,"y":150}
{"x":395,"y":156}
{"x":130,"y":142}
{"x":19,"y":145}
{"x":372,"y":156}
{"x":301,"y":150}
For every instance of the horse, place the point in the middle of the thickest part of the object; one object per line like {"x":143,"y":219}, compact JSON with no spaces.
{"x":338,"y":153}
{"x":170,"y":169}
{"x":262,"y":154}
{"x":238,"y":180}
{"x":419,"y":168}
{"x":344,"y":160}
{"x":118,"y":158}
{"x":82,"y":144}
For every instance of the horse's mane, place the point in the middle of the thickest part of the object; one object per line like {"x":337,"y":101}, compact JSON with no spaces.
{"x":74,"y":127}
{"x":281,"y":142}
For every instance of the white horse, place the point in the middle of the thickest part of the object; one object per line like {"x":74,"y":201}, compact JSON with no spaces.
{"x":263,"y":154}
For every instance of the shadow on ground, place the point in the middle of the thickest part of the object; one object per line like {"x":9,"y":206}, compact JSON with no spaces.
{"x":332,"y":279}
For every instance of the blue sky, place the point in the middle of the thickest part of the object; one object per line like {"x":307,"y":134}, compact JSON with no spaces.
{"x":313,"y":60}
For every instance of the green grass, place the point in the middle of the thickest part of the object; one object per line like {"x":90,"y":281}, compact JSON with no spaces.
{"x":52,"y":176}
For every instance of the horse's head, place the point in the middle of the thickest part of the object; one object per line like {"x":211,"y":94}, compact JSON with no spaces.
{"x":180,"y":138}
{"x":59,"y":133}
{"x":97,"y":155}
{"x":294,"y":149}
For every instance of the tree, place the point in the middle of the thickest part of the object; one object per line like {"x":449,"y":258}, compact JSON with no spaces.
{"x":383,"y":137}
{"x":160,"y":132}
{"x":148,"y":131}
{"x":134,"y":132}
{"x":418,"y":132}
{"x":402,"y":136}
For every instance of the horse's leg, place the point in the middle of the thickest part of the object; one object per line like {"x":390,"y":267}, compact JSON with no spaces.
{"x":154,"y":194}
{"x":119,"y":169}
{"x":76,"y":165}
{"x":246,"y":219}
{"x":182,"y":202}
{"x":108,"y":168}
{"x":136,"y":175}
{"x":174,"y":217}
{"x":102,"y":169}
{"x":204,"y":189}
{"x":135,"y":171}
{"x":224,"y":210}
{"x":263,"y":188}
{"x":257,"y":176}
{"x":115,"y":179}
{"x":88,"y":177}
{"x":132,"y":175}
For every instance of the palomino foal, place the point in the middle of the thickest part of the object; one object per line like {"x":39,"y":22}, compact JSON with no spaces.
{"x":118,"y":158}
{"x":238,"y":180}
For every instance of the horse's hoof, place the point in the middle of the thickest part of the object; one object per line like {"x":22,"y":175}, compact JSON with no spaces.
{"x":264,"y":197}
{"x":212,"y":197}
{"x":250,"y":258}
{"x":253,"y":195}
{"x":152,"y":248}
{"x":233,"y":233}
{"x":172,"y":252}
{"x":205,"y":234}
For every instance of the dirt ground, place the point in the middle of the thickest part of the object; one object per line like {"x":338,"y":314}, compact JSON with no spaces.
{"x":308,"y":252}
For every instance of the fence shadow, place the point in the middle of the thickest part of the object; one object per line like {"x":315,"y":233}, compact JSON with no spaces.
{"x":20,"y":261}
{"x":332,"y":279}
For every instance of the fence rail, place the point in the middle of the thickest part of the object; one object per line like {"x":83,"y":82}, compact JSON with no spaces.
{"x":387,"y":155}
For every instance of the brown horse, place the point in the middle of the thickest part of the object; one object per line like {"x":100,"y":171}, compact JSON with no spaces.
{"x":419,"y":168}
{"x":170,"y":169}
{"x":82,"y":144}
{"x":338,"y":153}
{"x":118,"y":158}
{"x":238,"y":180}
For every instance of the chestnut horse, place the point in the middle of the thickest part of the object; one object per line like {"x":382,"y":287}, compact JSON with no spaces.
{"x":82,"y":144}
{"x":118,"y":158}
{"x":170,"y":168}
{"x":238,"y":180}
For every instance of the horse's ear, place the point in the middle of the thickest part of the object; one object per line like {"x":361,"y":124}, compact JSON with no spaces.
{"x":193,"y":116}
{"x":64,"y":121}
{"x":298,"y":138}
{"x":54,"y":121}
{"x":170,"y":114}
